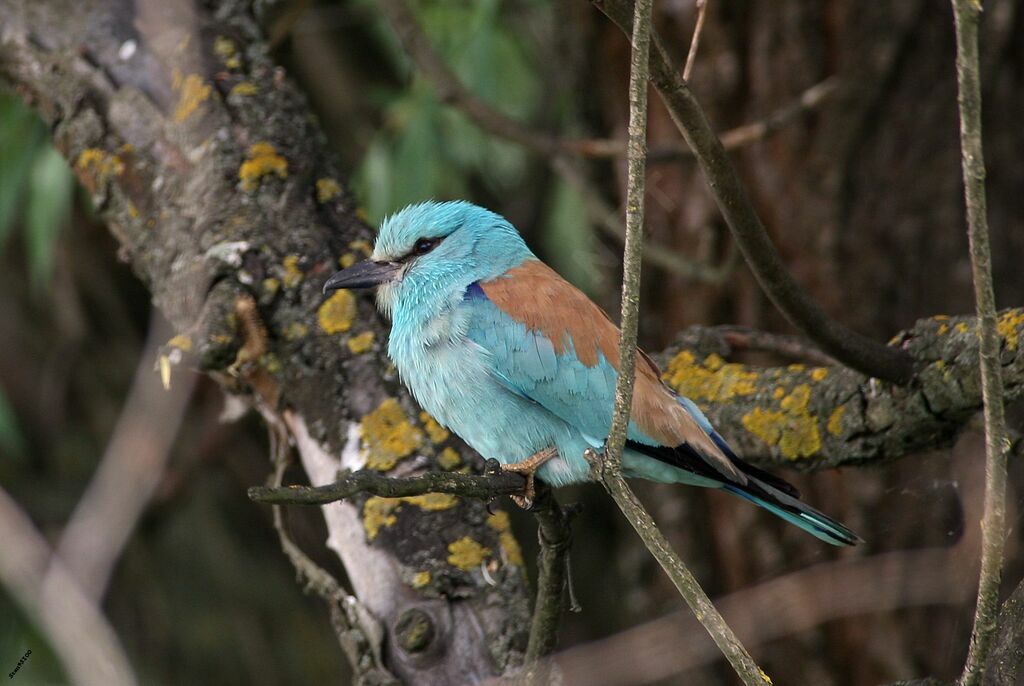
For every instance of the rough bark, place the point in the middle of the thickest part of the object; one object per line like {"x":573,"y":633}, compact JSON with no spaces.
{"x":205,"y":162}
{"x":203,"y":159}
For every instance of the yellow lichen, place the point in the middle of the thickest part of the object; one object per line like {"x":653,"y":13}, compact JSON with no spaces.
{"x":449,"y":459}
{"x":361,"y":246}
{"x":133,"y":211}
{"x":292,"y":274}
{"x":819,"y":373}
{"x":182,"y":341}
{"x":327,"y":189}
{"x":389,"y":436}
{"x":792,"y":427}
{"x":943,"y":329}
{"x":378,"y":513}
{"x":500,"y":522}
{"x":432,"y":502}
{"x":244,"y":89}
{"x":226,"y":50}
{"x":436,"y":432}
{"x":360,"y":343}
{"x":835,"y":421}
{"x":271,"y":285}
{"x":193,"y":92}
{"x":99,"y":165}
{"x":714,"y":380}
{"x":941,"y":317}
{"x":1008,"y":327}
{"x":961,"y":327}
{"x":262,"y":160}
{"x":337,"y":312}
{"x":347,"y":260}
{"x":778,"y":392}
{"x":466,"y":554}
{"x":295,"y":330}
{"x":420,"y":579}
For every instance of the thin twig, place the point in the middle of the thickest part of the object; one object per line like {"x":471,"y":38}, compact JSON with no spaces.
{"x":480,"y":486}
{"x":691,"y":56}
{"x":608,"y":466}
{"x":993,"y":523}
{"x":850,"y":348}
{"x":796,"y":347}
{"x":555,"y":535}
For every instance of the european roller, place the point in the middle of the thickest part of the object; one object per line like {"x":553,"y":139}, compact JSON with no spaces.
{"x":522,"y":365}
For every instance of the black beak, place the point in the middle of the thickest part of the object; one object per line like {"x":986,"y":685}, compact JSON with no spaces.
{"x":365,"y":274}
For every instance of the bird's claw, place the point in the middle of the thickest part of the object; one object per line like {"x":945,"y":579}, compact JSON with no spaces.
{"x":528,"y":468}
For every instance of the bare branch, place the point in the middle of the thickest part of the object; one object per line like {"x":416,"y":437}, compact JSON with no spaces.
{"x":691,"y":56}
{"x":84,"y":642}
{"x":993,"y":524}
{"x":555,"y":535}
{"x":608,"y":467}
{"x":793,"y":301}
{"x":479,"y":486}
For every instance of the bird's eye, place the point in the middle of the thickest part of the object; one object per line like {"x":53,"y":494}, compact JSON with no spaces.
{"x":424,"y":245}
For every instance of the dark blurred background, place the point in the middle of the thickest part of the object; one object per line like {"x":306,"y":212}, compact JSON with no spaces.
{"x":861,"y":191}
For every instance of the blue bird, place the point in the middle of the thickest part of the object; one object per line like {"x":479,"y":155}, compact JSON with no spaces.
{"x":522,"y":365}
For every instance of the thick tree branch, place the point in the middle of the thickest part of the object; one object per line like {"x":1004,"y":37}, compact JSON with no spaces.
{"x":993,"y":524}
{"x":208,"y":168}
{"x":793,"y":301}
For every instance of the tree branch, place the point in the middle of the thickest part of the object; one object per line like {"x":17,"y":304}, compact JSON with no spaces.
{"x":608,"y":467}
{"x":554,"y":531}
{"x":790,"y":298}
{"x":367,"y":481}
{"x":993,"y":524}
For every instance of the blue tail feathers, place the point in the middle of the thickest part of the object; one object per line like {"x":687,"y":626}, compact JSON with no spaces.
{"x":795,"y":512}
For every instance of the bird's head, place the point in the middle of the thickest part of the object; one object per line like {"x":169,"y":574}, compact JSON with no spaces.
{"x":428,"y":254}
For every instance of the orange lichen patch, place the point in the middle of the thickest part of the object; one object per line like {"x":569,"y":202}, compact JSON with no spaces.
{"x":262,"y":160}
{"x":792,"y":427}
{"x":327,"y":189}
{"x":360,"y":343}
{"x":719,"y":382}
{"x":819,"y":373}
{"x":466,"y":554}
{"x":420,"y":579}
{"x":449,"y":459}
{"x":337,"y":312}
{"x":389,"y":436}
{"x":1009,"y":325}
{"x":292,"y":274}
{"x":835,"y":421}
{"x":97,"y":165}
{"x":436,"y":432}
{"x":228,"y":53}
{"x":943,"y":329}
{"x":500,"y":522}
{"x":244,"y":89}
{"x":295,"y":330}
{"x":347,"y":260}
{"x":192,"y":93}
{"x":432,"y":502}
{"x":361,"y":246}
{"x":182,"y":341}
{"x":378,"y":513}
{"x":941,"y":317}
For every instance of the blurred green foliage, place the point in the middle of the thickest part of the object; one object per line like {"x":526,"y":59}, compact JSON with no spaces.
{"x":36,"y":186}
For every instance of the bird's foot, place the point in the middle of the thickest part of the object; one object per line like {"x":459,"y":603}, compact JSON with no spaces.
{"x":528,"y":468}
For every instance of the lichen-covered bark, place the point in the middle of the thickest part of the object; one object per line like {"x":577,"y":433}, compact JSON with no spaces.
{"x":818,"y":417}
{"x":204,"y":160}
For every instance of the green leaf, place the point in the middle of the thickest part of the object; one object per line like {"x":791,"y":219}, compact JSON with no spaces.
{"x":20,"y":138}
{"x":49,"y":209}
